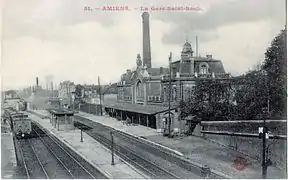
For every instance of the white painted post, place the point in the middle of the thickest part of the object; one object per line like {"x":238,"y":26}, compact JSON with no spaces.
{"x":139,"y":119}
{"x":65,"y":121}
{"x":58,"y":123}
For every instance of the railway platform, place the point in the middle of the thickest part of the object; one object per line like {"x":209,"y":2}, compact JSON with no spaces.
{"x":8,"y":156}
{"x":90,"y":150}
{"x":203,"y":152}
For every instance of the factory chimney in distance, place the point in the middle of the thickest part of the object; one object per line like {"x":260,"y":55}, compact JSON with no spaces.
{"x":146,"y":40}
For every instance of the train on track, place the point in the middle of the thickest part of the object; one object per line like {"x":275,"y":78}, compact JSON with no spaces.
{"x":19,"y":121}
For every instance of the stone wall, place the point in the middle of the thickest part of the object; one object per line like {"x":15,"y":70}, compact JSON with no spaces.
{"x":249,"y":145}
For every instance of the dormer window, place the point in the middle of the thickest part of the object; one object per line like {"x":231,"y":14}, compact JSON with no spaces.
{"x":203,"y":69}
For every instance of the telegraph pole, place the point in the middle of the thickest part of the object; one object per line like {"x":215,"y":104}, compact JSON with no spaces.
{"x":112,"y":148}
{"x":264,"y":165}
{"x":90,"y":96}
{"x":169,"y":103}
{"x":100,"y":96}
{"x":265,"y":133}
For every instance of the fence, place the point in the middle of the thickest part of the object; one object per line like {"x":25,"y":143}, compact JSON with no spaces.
{"x":251,"y":146}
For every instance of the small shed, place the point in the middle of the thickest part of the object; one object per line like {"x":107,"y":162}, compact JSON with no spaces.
{"x":61,"y":119}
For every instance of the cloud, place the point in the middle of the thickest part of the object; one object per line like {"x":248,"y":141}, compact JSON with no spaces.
{"x":221,"y":14}
{"x":82,"y":52}
{"x":58,"y":37}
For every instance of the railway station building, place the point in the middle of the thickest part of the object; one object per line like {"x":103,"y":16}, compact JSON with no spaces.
{"x":143,"y":94}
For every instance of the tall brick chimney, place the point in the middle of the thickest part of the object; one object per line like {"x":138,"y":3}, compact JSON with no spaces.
{"x":37,"y":82}
{"x":146,"y":40}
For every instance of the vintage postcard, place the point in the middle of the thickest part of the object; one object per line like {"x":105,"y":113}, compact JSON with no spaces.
{"x":157,"y":89}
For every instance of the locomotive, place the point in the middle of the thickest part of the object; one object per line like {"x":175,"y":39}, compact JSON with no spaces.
{"x":19,"y":122}
{"x":21,"y":125}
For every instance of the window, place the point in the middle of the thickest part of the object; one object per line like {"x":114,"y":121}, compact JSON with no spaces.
{"x":203,"y":68}
{"x":139,"y":89}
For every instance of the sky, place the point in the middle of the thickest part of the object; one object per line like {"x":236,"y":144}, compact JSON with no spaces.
{"x":58,"y":40}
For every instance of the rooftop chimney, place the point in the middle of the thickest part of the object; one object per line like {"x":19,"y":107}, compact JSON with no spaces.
{"x":146,"y":40}
{"x":209,"y":56}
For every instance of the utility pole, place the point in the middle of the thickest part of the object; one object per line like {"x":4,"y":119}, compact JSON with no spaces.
{"x":90,"y":97}
{"x":70,"y":95}
{"x":196,"y":46}
{"x":169,"y":99}
{"x":100,"y":96}
{"x":112,"y":148}
{"x":265,"y":133}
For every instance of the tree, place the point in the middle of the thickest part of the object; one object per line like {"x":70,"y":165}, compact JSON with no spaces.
{"x":266,"y":86}
{"x":275,"y":65}
{"x":255,"y":90}
{"x":251,"y":95}
{"x":211,"y":100}
{"x":78,"y":91}
{"x":78,"y":95}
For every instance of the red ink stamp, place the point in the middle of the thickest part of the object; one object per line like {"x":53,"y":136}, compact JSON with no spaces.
{"x":240,"y":163}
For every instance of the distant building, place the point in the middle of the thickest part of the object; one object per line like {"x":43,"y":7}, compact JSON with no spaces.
{"x":66,"y":91}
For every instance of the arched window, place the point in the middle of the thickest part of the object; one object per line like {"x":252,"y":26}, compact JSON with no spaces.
{"x":139,"y":89}
{"x":203,"y":68}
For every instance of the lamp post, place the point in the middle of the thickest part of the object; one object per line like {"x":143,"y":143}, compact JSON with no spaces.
{"x":100,"y":96}
{"x":169,"y":103}
{"x":112,"y":148}
{"x":81,"y":128}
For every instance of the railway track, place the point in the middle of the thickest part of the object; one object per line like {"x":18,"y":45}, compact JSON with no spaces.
{"x":33,"y":166}
{"x":148,"y":167}
{"x":192,"y":170}
{"x":144,"y":156}
{"x":45,"y":158}
{"x":73,"y":166}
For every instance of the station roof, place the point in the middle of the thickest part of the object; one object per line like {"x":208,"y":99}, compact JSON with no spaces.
{"x":60,"y":112}
{"x":138,"y":108}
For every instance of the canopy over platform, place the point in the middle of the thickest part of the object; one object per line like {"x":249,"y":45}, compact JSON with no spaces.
{"x":137,"y":108}
{"x":60,"y":112}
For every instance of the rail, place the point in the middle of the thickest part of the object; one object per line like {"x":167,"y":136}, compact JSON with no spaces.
{"x":54,"y":154}
{"x":42,"y":167}
{"x":148,"y":167}
{"x":22,"y":158}
{"x":81,"y":162}
{"x":74,"y":170}
{"x":31,"y":171}
{"x":163,"y":152}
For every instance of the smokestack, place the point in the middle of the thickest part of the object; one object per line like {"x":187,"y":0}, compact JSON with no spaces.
{"x":37,"y":82}
{"x":52,"y":89}
{"x":146,"y":40}
{"x":196,"y":46}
